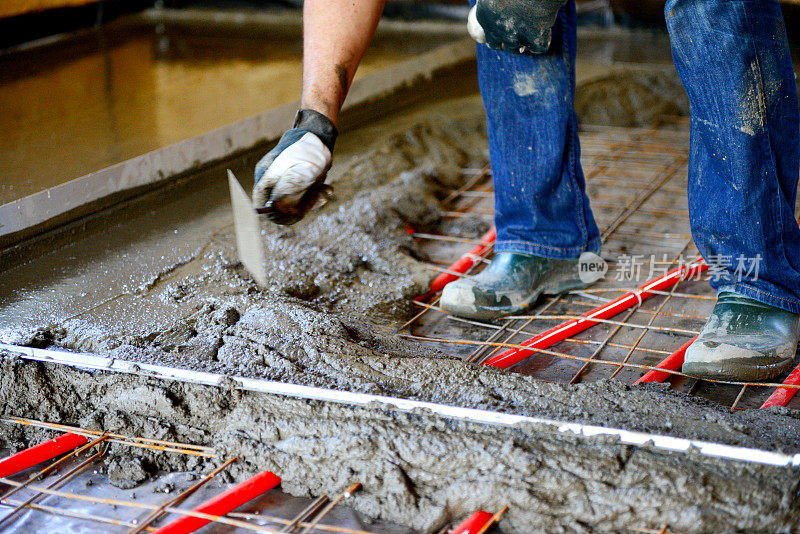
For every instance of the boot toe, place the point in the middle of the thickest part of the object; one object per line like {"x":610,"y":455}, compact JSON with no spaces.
{"x":459,"y":298}
{"x":509,"y":285}
{"x":469,"y":299}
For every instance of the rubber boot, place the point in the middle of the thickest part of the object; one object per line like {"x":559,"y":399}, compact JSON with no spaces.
{"x":743,"y":340}
{"x":509,"y":285}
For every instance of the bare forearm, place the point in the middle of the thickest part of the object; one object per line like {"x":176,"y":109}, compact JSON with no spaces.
{"x":335,"y":35}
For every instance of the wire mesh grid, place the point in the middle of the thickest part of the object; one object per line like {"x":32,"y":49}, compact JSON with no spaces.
{"x":636,"y":181}
{"x":53,"y":490}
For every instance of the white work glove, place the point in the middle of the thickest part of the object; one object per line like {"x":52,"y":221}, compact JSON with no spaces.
{"x":291,"y":177}
{"x":516,"y":26}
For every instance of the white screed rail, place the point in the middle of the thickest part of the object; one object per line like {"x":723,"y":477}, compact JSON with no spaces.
{"x":669,"y":443}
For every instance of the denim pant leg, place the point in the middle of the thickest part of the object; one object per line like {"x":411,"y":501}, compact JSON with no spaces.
{"x":733,"y":59}
{"x":540,"y":204}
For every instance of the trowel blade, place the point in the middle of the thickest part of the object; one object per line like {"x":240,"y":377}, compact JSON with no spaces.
{"x":248,"y":231}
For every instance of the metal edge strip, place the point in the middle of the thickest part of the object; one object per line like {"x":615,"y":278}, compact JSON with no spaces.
{"x":716,"y":450}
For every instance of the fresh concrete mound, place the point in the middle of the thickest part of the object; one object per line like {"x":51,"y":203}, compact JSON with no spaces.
{"x":418,"y":469}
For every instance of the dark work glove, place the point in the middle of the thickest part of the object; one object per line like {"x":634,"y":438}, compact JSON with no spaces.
{"x":291,"y":177}
{"x":517,"y":26}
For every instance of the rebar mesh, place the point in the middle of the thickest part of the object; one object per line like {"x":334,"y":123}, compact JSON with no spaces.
{"x":636,"y":180}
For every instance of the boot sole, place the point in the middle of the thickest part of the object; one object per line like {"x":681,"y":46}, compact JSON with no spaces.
{"x":737,"y":371}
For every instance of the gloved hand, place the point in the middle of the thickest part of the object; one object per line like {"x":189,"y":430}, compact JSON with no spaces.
{"x":517,"y":26}
{"x":291,"y":177}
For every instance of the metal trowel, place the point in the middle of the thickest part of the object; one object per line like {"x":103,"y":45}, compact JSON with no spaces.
{"x":248,"y":231}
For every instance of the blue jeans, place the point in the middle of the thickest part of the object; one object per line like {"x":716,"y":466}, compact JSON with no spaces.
{"x":733,"y":59}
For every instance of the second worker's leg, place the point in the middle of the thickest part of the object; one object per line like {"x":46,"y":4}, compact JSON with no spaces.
{"x":542,"y":214}
{"x":733,"y":58}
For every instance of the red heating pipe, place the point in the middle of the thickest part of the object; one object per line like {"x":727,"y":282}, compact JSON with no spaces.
{"x":473,"y":523}
{"x":462,"y":265}
{"x":673,"y":362}
{"x":559,"y":333}
{"x":40,"y":453}
{"x":782,"y":396}
{"x":223,"y":503}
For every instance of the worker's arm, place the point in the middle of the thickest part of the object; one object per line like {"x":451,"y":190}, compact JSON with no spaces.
{"x":335,"y":35}
{"x":290,"y":178}
{"x":517,"y":26}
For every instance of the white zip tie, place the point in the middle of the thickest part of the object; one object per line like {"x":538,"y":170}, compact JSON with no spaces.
{"x":638,"y":294}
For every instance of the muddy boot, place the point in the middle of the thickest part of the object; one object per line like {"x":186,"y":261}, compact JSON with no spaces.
{"x":743,"y":340}
{"x":509,"y":285}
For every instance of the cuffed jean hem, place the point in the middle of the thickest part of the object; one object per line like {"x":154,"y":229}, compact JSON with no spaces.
{"x":790,"y":304}
{"x":546,"y":251}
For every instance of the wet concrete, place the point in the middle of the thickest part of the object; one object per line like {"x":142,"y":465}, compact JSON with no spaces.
{"x":417,"y":469}
{"x":632,"y":97}
{"x":162,"y":283}
{"x":152,"y":262}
